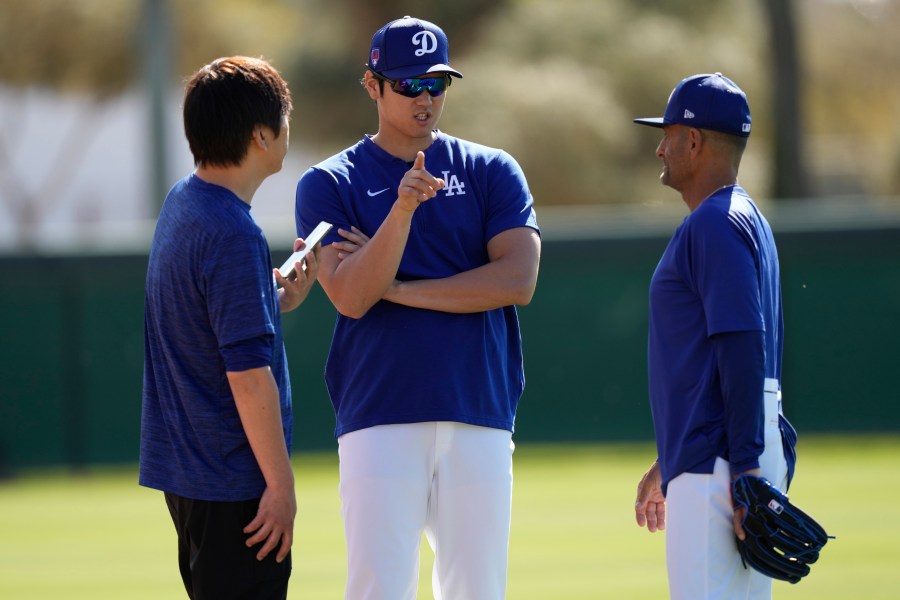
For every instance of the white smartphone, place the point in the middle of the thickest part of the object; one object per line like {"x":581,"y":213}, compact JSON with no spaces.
{"x":314,"y":238}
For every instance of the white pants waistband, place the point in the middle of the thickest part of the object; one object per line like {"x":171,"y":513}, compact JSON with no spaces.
{"x":772,"y":399}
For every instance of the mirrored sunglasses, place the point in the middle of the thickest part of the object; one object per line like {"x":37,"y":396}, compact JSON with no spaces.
{"x":411,"y":87}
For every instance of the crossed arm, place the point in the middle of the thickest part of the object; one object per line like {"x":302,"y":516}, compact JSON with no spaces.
{"x":509,"y":278}
{"x":360,"y":271}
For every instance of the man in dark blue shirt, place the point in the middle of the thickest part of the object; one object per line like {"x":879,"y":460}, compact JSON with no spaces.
{"x":216,"y":421}
{"x":425,"y":370}
{"x":715,"y":347}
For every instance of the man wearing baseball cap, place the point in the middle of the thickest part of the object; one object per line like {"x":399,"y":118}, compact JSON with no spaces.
{"x":715,"y":348}
{"x":436,"y":242}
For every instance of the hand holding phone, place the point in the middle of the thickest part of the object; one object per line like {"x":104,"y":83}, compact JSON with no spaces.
{"x":314,"y":238}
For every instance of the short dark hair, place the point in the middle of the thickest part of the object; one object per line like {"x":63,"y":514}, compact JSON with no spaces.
{"x":225,"y":100}
{"x":739,"y":142}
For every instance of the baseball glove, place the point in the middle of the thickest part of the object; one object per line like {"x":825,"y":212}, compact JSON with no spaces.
{"x":782,"y":540}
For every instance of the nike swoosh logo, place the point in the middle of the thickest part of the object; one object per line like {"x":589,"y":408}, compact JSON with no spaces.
{"x":371,"y":193}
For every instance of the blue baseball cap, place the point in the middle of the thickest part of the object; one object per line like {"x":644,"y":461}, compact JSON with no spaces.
{"x":708,"y":101}
{"x":408,"y":47}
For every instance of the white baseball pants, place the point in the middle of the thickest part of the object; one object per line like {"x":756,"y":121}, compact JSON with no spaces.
{"x":452,"y":481}
{"x":702,"y":559}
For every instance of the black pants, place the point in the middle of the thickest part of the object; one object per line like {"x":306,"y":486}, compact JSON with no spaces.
{"x":213,"y":557}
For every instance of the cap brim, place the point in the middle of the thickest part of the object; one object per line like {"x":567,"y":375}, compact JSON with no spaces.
{"x":652,"y":122}
{"x":403,"y":72}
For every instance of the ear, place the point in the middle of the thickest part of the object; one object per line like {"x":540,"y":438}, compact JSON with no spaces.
{"x":260,"y":138}
{"x":370,"y":82}
{"x":695,"y":141}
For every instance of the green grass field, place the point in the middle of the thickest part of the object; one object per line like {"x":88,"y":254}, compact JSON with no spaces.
{"x":100,"y":536}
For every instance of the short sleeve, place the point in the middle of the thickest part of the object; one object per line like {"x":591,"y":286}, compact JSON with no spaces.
{"x":510,"y":201}
{"x":240,"y":289}
{"x":725,"y":273}
{"x":316,"y":200}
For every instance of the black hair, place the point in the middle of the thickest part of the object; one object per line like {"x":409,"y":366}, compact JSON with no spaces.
{"x":225,"y":100}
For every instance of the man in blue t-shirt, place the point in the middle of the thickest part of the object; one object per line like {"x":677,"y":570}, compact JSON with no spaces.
{"x":216,"y":420}
{"x":435,"y":242}
{"x":715,"y":347}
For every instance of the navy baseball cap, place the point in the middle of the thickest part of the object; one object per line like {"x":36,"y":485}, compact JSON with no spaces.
{"x":708,"y":101}
{"x":408,"y":47}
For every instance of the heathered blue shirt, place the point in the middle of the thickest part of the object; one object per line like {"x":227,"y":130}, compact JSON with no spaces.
{"x":719,"y":274}
{"x":210,"y":306}
{"x":402,"y":365}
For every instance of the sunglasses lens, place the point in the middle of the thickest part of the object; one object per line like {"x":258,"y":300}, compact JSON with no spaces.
{"x":412,"y":87}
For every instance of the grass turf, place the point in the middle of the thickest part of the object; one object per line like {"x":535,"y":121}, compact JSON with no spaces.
{"x":99,"y":535}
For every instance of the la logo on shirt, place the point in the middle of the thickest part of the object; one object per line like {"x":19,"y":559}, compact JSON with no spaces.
{"x":454,"y":186}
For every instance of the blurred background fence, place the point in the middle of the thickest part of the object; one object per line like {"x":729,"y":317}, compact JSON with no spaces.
{"x":90,"y":140}
{"x":71,"y":358}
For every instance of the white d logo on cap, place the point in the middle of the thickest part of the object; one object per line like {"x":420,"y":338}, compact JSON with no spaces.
{"x":426,"y":40}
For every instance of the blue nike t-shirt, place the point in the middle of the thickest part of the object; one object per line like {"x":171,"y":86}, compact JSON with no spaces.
{"x":399,"y":364}
{"x":211,"y":305}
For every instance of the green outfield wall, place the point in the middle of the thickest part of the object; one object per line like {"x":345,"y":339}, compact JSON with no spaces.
{"x":72,"y":346}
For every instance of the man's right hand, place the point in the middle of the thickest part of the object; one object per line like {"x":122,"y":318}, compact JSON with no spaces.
{"x":417,"y":185}
{"x":650,"y":505}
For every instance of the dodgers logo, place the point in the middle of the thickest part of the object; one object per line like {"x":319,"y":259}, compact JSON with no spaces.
{"x":454,"y":186}
{"x":427,"y":42}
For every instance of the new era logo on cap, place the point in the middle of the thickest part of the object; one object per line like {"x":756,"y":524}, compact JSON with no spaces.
{"x":707,"y":101}
{"x":409,"y":47}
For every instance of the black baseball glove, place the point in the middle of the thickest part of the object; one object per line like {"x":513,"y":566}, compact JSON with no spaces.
{"x":782,"y":540}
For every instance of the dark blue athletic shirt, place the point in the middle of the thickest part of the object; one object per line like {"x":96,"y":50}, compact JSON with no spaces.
{"x":210,"y":306}
{"x":718,"y":275}
{"x":399,"y":364}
